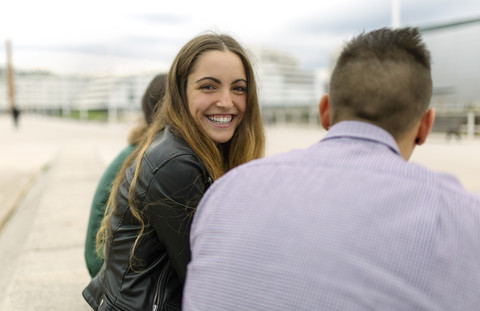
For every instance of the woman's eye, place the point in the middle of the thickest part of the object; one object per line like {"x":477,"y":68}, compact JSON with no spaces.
{"x":240,"y":89}
{"x":207,"y":87}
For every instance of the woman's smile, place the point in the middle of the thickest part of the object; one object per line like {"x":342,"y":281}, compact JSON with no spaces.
{"x":222,"y":120}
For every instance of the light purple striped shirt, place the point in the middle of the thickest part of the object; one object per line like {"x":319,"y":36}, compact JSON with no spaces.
{"x":346,"y":224}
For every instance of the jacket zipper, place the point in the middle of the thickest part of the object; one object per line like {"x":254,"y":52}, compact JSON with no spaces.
{"x":162,"y":279}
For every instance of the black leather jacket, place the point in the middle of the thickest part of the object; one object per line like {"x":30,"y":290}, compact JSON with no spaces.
{"x":170,"y":184}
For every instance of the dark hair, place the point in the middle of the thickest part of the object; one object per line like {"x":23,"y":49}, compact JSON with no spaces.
{"x":382,"y":77}
{"x":151,"y":102}
{"x":153,"y":94}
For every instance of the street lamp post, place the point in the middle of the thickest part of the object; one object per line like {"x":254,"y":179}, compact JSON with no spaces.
{"x":395,"y":13}
{"x":11,"y":90}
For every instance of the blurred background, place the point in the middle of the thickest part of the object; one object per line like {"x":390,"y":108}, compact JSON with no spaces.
{"x":92,"y":60}
{"x":76,"y":72}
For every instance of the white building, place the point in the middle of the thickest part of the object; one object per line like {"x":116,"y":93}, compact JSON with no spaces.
{"x":455,"y":52}
{"x":286,"y":93}
{"x":75,"y":95}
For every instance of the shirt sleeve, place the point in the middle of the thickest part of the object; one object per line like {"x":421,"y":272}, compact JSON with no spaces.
{"x":171,"y":199}
{"x":97,"y":210}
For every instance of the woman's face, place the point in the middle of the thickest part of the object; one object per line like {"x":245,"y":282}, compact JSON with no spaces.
{"x":217,"y":94}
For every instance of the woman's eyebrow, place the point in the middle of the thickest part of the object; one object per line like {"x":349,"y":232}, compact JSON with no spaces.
{"x":208,"y":78}
{"x":239,"y":80}
{"x":218,"y":81}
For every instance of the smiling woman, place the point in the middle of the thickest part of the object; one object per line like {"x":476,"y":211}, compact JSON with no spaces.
{"x":209,"y":123}
{"x":217,"y":94}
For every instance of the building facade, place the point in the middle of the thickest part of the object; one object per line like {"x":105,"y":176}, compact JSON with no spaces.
{"x":455,"y":52}
{"x":75,"y":95}
{"x":286,"y":93}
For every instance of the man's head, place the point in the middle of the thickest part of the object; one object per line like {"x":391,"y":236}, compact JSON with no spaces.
{"x":382,"y":77}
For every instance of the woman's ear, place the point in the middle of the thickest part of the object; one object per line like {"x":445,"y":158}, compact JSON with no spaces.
{"x":426,"y":124}
{"x":324,"y":112}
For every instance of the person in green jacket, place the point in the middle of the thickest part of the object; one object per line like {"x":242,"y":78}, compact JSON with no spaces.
{"x":150,"y":103}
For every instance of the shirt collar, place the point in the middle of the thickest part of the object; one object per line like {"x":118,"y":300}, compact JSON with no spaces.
{"x":362,"y":130}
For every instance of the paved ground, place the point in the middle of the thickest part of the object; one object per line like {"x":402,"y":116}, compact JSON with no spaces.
{"x":49,"y":170}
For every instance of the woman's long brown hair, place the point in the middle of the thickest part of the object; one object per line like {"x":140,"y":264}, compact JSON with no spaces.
{"x":247,"y":143}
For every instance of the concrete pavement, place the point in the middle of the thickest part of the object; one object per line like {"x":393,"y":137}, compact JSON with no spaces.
{"x":49,"y":268}
{"x":49,"y":171}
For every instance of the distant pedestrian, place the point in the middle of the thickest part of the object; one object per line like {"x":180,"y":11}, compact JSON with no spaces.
{"x":16,"y":116}
{"x":209,"y":123}
{"x":347,"y":224}
{"x":151,"y":101}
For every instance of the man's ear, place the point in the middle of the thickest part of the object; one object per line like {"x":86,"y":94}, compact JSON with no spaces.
{"x":324,"y":112}
{"x":425,"y":127}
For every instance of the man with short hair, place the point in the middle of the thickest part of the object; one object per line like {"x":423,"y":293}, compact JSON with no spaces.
{"x":346,"y":224}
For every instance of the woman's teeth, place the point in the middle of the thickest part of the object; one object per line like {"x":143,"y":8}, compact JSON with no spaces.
{"x":223,"y":120}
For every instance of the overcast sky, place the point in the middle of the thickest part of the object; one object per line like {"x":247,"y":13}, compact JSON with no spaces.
{"x":94,"y":36}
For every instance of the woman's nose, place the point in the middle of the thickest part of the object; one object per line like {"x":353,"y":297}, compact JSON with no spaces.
{"x":225,"y":100}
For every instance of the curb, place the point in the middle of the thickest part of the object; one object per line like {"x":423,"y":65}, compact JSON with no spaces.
{"x":20,"y":196}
